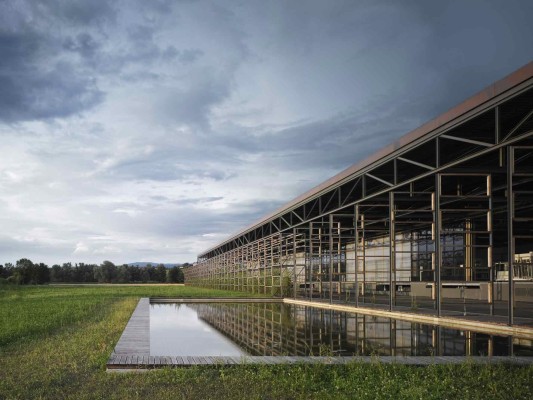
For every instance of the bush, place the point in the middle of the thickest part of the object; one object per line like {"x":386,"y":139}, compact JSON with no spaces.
{"x":15,"y":279}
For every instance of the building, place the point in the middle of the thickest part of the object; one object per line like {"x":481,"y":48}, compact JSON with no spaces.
{"x":440,"y":221}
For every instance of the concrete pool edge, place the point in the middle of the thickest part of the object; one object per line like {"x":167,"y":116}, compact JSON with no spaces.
{"x":132,"y":351}
{"x":448,"y":322}
{"x":167,"y":300}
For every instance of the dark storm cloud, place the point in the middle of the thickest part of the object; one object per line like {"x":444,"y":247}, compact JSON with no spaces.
{"x":80,"y":12}
{"x":35,"y":94}
{"x":36,"y":83}
{"x":53,"y":54}
{"x":468,"y":48}
{"x":192,"y":105}
{"x":83,"y":44}
{"x":452,"y":52}
{"x":143,"y":50}
{"x":331,"y":143}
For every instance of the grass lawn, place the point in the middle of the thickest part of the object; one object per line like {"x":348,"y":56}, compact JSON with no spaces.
{"x":55,"y":341}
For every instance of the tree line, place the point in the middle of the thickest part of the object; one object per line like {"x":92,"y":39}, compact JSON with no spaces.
{"x":25,"y":272}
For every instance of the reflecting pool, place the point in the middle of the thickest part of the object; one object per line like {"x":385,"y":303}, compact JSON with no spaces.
{"x":277,"y":329}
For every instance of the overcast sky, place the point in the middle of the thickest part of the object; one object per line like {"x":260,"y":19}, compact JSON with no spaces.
{"x":152,"y":130}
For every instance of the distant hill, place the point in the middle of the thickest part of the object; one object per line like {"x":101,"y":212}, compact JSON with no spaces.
{"x":153,"y":264}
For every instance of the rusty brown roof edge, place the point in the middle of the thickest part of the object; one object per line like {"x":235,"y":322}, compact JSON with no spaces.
{"x":495,"y":89}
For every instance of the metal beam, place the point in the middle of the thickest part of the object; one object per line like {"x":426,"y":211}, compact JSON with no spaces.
{"x":471,"y":141}
{"x":297,"y":216}
{"x":380,"y":180}
{"x":517,"y":126}
{"x":416,"y":163}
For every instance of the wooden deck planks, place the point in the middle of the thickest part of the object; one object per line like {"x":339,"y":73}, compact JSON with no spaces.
{"x":136,"y":336}
{"x":136,"y":361}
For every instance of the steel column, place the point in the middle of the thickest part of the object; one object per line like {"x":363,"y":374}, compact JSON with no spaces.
{"x":356,"y":255}
{"x":392,"y":258}
{"x":437,"y":234}
{"x":510,"y":238}
{"x":331,"y":258}
{"x":294,"y":249}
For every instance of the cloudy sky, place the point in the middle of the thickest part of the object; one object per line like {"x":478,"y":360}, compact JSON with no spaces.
{"x":151,"y":130}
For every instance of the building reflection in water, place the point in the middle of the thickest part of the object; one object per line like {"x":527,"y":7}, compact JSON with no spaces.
{"x":274,"y":329}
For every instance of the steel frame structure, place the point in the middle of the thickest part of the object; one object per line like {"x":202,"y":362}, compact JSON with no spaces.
{"x":434,"y":221}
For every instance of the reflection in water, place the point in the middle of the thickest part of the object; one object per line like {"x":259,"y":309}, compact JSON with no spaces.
{"x":176,"y":330}
{"x":274,"y":329}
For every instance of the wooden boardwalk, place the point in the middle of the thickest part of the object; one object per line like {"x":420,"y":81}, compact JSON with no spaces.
{"x":137,"y":361}
{"x":136,"y":336}
{"x":133,"y":351}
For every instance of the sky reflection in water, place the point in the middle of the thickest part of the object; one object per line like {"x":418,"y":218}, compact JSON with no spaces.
{"x":176,"y":330}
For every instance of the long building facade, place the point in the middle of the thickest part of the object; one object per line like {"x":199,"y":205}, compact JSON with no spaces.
{"x":439,"y":221}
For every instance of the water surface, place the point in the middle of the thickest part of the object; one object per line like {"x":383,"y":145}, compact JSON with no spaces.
{"x":177,"y":330}
{"x":274,"y":329}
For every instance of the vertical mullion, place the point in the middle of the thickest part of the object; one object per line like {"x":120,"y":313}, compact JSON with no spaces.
{"x":510,"y":239}
{"x":438,"y":255}
{"x":391,"y":250}
{"x":331,"y":258}
{"x":356,"y":256}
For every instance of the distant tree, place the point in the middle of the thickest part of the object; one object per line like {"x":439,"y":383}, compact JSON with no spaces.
{"x":151,"y":272}
{"x":135,"y":273}
{"x":15,"y":277}
{"x":123,"y":274}
{"x":77,"y":274}
{"x":26,"y":271}
{"x":56,"y":274}
{"x":172,"y":274}
{"x":41,"y":273}
{"x":30,"y":273}
{"x":160,"y":273}
{"x":7,"y":271}
{"x":106,"y":272}
{"x":68,"y":272}
{"x":175,"y":275}
{"x":85,"y":272}
{"x":145,"y":275}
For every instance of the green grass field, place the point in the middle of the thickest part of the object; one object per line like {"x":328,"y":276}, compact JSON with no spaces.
{"x":55,"y":341}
